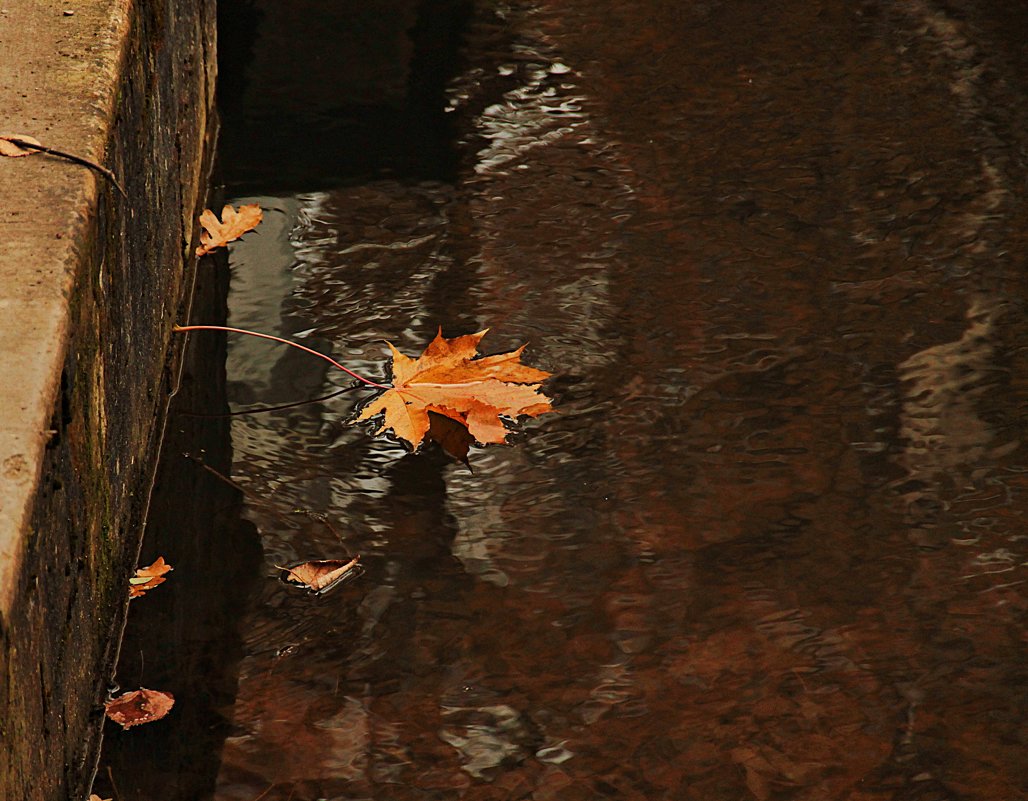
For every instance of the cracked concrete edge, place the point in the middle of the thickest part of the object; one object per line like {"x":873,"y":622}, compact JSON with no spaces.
{"x":59,"y":78}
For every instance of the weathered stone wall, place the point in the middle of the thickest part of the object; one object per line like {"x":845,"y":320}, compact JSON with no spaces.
{"x":90,"y":285}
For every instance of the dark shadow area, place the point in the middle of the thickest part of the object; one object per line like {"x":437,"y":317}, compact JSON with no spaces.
{"x":318,"y":93}
{"x":182,"y":637}
{"x":311,"y":94}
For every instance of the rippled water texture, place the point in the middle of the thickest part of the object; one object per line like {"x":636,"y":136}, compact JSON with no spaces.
{"x":773,"y":546}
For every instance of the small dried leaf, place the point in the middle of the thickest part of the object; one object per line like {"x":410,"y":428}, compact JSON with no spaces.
{"x":320,"y":575}
{"x":95,"y":797}
{"x":9,"y":145}
{"x":147,"y":578}
{"x":233,"y":224}
{"x":139,"y":706}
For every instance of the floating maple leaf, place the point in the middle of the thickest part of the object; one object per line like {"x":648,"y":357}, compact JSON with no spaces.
{"x":10,"y":145}
{"x":320,"y":575}
{"x":233,"y":224}
{"x":147,"y":578}
{"x":474,"y":392}
{"x":139,"y":706}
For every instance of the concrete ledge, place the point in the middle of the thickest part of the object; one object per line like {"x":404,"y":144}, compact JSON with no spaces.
{"x":90,"y":284}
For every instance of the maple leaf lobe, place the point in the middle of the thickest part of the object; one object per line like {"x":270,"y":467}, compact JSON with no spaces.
{"x":320,"y":575}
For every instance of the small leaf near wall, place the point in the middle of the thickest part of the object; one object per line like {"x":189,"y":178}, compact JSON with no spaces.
{"x":139,"y":706}
{"x":232,"y":225}
{"x":147,"y":578}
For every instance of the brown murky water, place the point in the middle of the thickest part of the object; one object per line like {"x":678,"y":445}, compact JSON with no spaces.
{"x":774,"y":546}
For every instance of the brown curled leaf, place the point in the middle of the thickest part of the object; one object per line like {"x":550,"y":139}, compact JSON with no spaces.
{"x":319,"y":575}
{"x":139,"y":706}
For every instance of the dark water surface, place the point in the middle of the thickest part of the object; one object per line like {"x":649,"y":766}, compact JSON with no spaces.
{"x":773,"y":546}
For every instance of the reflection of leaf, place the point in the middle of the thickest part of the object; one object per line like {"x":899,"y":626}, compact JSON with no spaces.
{"x":139,"y":706}
{"x":233,"y":224}
{"x":447,"y":379}
{"x":452,"y":437}
{"x":320,"y":575}
{"x":147,"y":578}
{"x":9,"y":145}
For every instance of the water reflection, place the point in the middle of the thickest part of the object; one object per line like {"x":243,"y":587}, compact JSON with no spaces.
{"x":772,"y":545}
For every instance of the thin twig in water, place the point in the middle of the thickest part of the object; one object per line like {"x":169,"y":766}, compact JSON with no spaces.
{"x":270,"y":788}
{"x":106,"y":173}
{"x":237,"y":486}
{"x":179,"y":329}
{"x":321,"y":518}
{"x":254,"y":499}
{"x":114,"y":787}
{"x":258,"y":501}
{"x":280,"y":407}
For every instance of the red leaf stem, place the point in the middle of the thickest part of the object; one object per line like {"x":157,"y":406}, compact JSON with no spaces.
{"x":330,"y":360}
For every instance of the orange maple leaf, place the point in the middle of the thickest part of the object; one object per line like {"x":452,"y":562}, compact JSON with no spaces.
{"x":147,"y":578}
{"x":447,"y":379}
{"x":233,"y":224}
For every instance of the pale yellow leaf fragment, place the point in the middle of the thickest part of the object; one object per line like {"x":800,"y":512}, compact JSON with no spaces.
{"x":9,"y":145}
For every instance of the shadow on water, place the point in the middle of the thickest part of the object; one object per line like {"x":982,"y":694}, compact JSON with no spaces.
{"x":316,"y":94}
{"x":773,"y":545}
{"x":185,"y":640}
{"x":362,"y":98}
